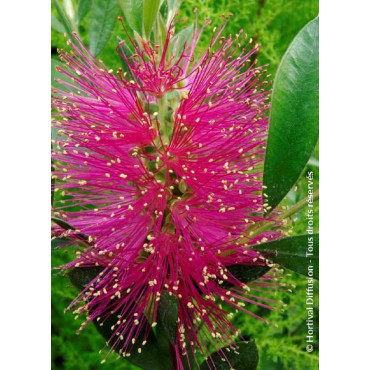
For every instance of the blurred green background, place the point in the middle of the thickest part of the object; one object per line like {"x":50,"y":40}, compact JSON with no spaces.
{"x":273,"y":24}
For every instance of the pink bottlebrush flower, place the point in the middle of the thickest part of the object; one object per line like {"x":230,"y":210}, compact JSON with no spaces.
{"x":151,"y":70}
{"x":167,"y":198}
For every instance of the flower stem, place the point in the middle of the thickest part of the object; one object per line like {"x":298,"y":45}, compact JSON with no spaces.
{"x":298,"y":206}
{"x":259,"y":228}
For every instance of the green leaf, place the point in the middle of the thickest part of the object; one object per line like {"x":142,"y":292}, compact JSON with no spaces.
{"x":69,"y":9}
{"x":103,"y":20}
{"x":57,"y":75}
{"x":133,"y":12}
{"x":63,"y":224}
{"x":126,"y":50}
{"x":150,"y":356}
{"x":66,"y":22}
{"x":245,"y":359}
{"x":150,"y":10}
{"x":161,"y":30}
{"x":57,"y":243}
{"x":180,"y":38}
{"x":246,"y":273}
{"x":83,"y":8}
{"x":294,"y":253}
{"x":185,"y":36}
{"x":66,"y":226}
{"x":294,"y":119}
{"x":171,"y":4}
{"x":56,"y":25}
{"x":81,"y":276}
{"x":167,"y":326}
{"x":167,"y":319}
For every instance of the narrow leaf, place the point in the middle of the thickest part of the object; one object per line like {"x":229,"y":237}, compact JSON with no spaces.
{"x":246,"y":358}
{"x":63,"y":224}
{"x":151,"y":8}
{"x":180,"y":38}
{"x":162,"y":29}
{"x":133,"y":12}
{"x":294,"y":119}
{"x":81,"y":276}
{"x":66,"y":226}
{"x":56,"y":25}
{"x":171,"y":5}
{"x":247,"y":273}
{"x":185,"y":36}
{"x":103,"y":20}
{"x":82,"y":9}
{"x":296,"y":253}
{"x":57,"y":243}
{"x":125,"y":50}
{"x":167,"y":317}
{"x":69,"y":9}
{"x":68,"y":26}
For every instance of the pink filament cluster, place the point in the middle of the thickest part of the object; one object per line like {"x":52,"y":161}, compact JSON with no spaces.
{"x":165,"y":216}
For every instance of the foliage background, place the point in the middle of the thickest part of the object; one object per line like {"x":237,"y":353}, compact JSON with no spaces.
{"x":273,"y":24}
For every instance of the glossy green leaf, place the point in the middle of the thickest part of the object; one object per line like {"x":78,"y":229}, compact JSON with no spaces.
{"x":167,"y":319}
{"x":83,"y":8}
{"x":57,"y":243}
{"x":63,"y":224}
{"x":61,"y":242}
{"x":294,"y":119}
{"x":103,"y":20}
{"x":133,"y":12}
{"x":66,"y":226}
{"x":81,"y":276}
{"x":150,"y":356}
{"x":246,"y":273}
{"x":56,"y":25}
{"x":65,"y":21}
{"x":245,"y":359}
{"x":150,"y":10}
{"x":296,"y":253}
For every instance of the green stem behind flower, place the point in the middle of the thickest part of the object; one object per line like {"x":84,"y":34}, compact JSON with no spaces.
{"x":265,"y":225}
{"x":298,"y":206}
